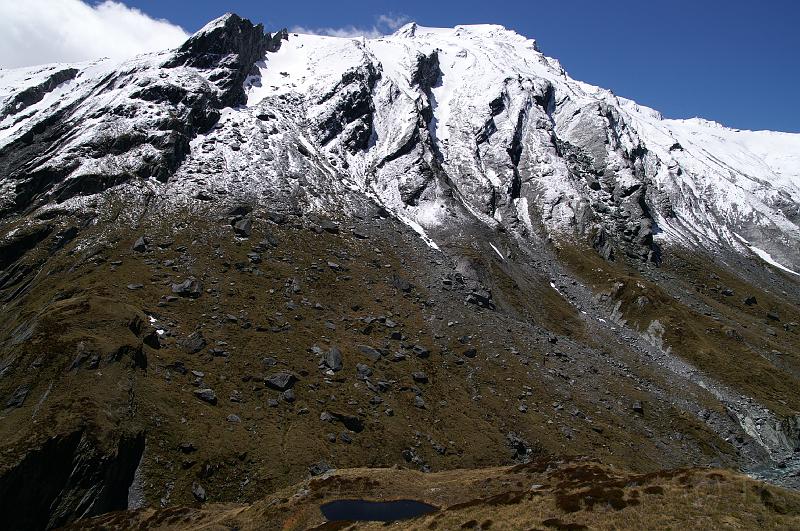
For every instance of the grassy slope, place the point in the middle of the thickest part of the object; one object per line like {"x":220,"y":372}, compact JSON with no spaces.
{"x":719,"y":334}
{"x":81,"y":303}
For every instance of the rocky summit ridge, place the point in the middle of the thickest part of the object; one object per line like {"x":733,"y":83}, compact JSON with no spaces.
{"x":260,"y":255}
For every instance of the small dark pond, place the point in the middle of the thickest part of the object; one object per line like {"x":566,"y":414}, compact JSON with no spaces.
{"x":370,"y":511}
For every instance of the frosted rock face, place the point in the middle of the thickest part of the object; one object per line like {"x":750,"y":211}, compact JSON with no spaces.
{"x":78,"y":131}
{"x":434,"y":125}
{"x":229,"y":47}
{"x":475,"y":119}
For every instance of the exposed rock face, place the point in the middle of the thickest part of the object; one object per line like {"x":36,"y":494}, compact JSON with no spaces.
{"x":348,"y":109}
{"x":12,"y":247}
{"x":447,"y":126}
{"x":69,"y":477}
{"x":228,"y":47}
{"x":34,"y":94}
{"x":144,"y":114}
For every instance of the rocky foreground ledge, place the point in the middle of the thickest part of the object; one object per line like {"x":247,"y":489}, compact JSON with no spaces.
{"x":543,"y":494}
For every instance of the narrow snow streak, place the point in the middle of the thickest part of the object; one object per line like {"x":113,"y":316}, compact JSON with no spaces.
{"x":497,"y":251}
{"x":419,"y":230}
{"x":764,"y":255}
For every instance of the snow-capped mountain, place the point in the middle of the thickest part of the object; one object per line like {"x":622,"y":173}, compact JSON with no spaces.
{"x":481,"y":108}
{"x":428,"y":122}
{"x":261,"y":255}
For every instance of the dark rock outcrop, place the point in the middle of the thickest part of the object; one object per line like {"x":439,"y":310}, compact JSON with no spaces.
{"x":15,"y":246}
{"x":137,"y":141}
{"x":349,"y":111}
{"x":32,"y":95}
{"x":69,"y":477}
{"x":426,"y":71}
{"x":230,"y":46}
{"x":281,"y":381}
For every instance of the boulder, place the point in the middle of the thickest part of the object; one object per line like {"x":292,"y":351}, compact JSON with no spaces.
{"x":198,"y":492}
{"x":141,"y":245}
{"x":420,"y":377}
{"x":206,"y":395}
{"x":481,"y":298}
{"x":351,"y":422}
{"x":243,"y":227}
{"x":151,"y":340}
{"x":420,"y":351}
{"x":363,"y":371}
{"x":281,"y":381}
{"x":370,"y":352}
{"x":187,"y":447}
{"x":191,"y":288}
{"x":329,"y":226}
{"x":333,"y":359}
{"x":194,"y":342}
{"x":319,"y":468}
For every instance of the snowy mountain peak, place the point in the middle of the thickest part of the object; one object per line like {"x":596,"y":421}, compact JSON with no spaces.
{"x":436,"y":124}
{"x":408,"y":29}
{"x":583,"y":157}
{"x":217,"y":23}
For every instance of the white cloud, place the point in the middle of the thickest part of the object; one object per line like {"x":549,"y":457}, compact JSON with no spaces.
{"x":393,"y":22}
{"x":346,"y":31}
{"x":383,"y":24}
{"x":48,"y":31}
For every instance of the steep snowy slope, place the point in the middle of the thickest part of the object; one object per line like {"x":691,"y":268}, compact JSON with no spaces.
{"x":519,"y":139}
{"x":416,"y":117}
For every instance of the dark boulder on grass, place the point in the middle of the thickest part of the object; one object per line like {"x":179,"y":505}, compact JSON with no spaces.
{"x":206,"y":395}
{"x":329,"y":226}
{"x":193,"y":343}
{"x":140,"y":245}
{"x":333,"y":359}
{"x":243,"y":227}
{"x":370,"y":352}
{"x":281,"y":381}
{"x":317,"y":469}
{"x":191,"y":288}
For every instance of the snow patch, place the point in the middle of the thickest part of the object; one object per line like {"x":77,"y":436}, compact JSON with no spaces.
{"x":419,"y":230}
{"x":764,"y":255}
{"x":497,"y":251}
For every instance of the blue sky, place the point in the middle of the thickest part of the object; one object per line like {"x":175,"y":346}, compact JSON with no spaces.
{"x":734,"y":61}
